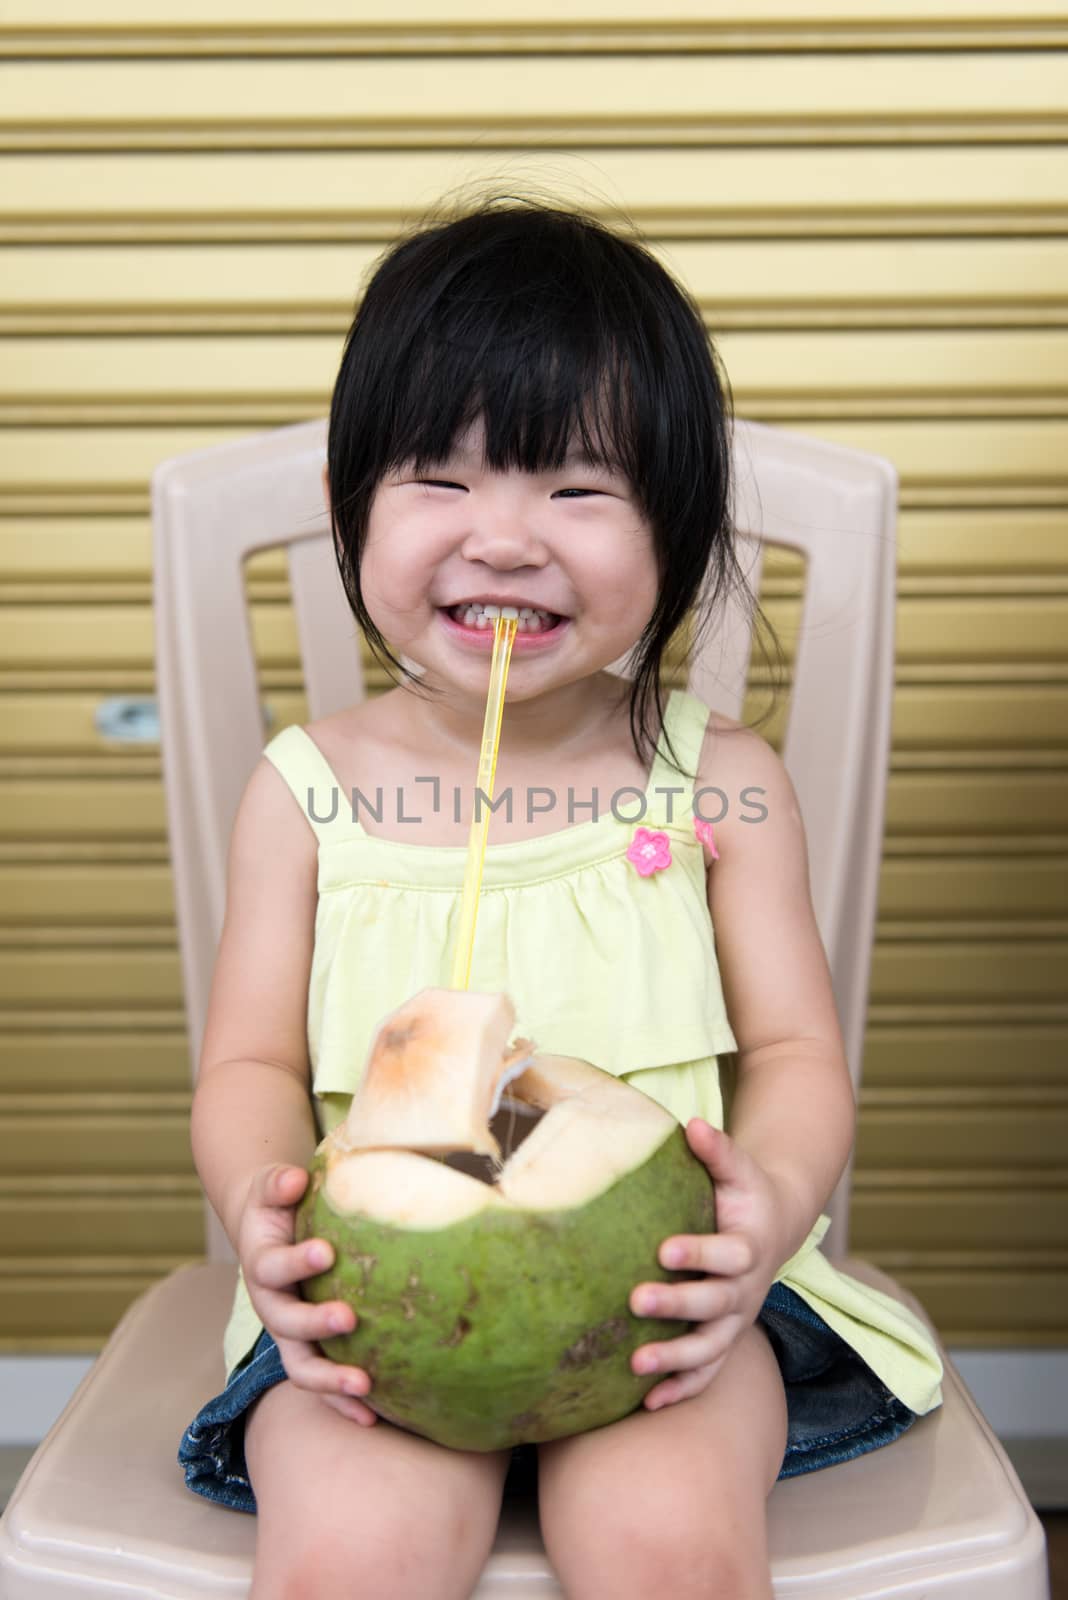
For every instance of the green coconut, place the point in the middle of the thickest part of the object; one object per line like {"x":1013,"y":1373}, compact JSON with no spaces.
{"x":491,"y":1288}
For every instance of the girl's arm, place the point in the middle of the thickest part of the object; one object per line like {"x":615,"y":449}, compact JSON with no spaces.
{"x":253,"y":1128}
{"x":252,"y":1102}
{"x":246,"y":1114}
{"x":793,"y":1108}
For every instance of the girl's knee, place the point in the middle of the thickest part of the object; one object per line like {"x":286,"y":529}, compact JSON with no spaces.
{"x":427,"y":1547}
{"x":710,"y":1538}
{"x":727,"y":1560}
{"x":351,"y":1511}
{"x":713,"y":1560}
{"x":620,"y":1527}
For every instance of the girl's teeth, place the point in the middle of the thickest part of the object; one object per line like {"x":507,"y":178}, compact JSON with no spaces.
{"x":529,"y":619}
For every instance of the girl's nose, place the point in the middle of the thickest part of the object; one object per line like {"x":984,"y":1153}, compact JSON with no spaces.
{"x":504,"y":539}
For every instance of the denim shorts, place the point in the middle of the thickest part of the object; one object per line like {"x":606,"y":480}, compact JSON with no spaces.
{"x":837,"y":1408}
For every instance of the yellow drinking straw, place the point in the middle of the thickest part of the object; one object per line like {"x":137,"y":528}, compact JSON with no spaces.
{"x":504,"y":632}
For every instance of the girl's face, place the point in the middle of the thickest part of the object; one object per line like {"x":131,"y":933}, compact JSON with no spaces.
{"x":571,"y":542}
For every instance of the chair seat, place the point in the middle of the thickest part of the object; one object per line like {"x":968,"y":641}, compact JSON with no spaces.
{"x":102,"y":1508}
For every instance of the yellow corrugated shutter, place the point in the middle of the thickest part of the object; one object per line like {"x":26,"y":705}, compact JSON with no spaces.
{"x":869,"y":199}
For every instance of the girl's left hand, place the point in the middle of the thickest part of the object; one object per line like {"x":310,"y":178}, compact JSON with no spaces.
{"x":742,"y":1259}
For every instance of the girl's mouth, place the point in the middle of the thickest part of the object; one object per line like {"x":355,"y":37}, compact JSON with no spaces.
{"x":474,"y":625}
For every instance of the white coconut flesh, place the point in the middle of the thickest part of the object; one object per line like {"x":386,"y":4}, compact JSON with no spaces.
{"x":435,"y":1076}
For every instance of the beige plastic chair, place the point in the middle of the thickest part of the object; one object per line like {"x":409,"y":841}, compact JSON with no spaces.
{"x":102,"y":1508}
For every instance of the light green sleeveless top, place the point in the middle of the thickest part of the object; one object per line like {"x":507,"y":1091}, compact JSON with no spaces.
{"x":600,"y":961}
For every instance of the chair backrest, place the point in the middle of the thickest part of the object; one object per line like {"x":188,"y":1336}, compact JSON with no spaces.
{"x":212,"y":509}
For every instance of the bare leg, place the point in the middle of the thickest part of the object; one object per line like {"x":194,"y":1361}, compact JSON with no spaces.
{"x":673,"y":1501}
{"x":364,"y":1511}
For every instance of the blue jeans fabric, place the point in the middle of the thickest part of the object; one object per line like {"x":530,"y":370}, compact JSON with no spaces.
{"x":836,"y":1405}
{"x":212,"y":1450}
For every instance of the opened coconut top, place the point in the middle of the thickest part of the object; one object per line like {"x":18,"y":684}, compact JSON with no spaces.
{"x":435,"y":1077}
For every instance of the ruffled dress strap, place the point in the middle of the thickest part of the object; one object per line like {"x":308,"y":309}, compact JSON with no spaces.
{"x":671,"y":794}
{"x":295,"y":754}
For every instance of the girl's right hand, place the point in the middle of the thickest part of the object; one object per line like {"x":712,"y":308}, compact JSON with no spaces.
{"x":272,"y":1266}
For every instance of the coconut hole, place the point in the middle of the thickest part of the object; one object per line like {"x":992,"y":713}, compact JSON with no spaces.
{"x":512,"y":1123}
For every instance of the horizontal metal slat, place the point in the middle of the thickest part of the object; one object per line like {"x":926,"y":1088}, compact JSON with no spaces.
{"x":68,"y":1308}
{"x":113,"y":976}
{"x":77,"y":1225}
{"x":934,"y":1217}
{"x":276,"y":26}
{"x":1025,"y":1305}
{"x":549,"y":99}
{"x":975,"y":887}
{"x":999,"y":968}
{"x":1030,"y":1138}
{"x":964,"y":1053}
{"x":85,"y":1058}
{"x":149,"y":1141}
{"x":332,"y":195}
{"x":985,"y":804}
{"x":113,"y":894}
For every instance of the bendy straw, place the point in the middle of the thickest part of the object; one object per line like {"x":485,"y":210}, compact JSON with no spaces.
{"x":504,"y":632}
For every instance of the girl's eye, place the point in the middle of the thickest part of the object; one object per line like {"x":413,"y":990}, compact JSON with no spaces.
{"x":444,"y":483}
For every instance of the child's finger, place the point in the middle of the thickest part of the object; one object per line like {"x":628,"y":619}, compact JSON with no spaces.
{"x":279,"y":1185}
{"x":287,"y":1316}
{"x":279,"y":1266}
{"x":309,"y":1370}
{"x":352,"y":1409}
{"x":682,"y":1385}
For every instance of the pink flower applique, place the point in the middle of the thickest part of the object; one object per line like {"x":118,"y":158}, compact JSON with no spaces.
{"x":649,"y":851}
{"x":703,"y":831}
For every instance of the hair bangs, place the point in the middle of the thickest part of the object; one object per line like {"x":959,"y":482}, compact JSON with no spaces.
{"x":547,"y":392}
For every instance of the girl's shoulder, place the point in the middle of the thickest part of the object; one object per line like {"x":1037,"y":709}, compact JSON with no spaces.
{"x":725,"y":741}
{"x":737,"y":769}
{"x":355,"y":726}
{"x":370,"y":734}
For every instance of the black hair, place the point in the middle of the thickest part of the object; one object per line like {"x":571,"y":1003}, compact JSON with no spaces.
{"x":549,"y":325}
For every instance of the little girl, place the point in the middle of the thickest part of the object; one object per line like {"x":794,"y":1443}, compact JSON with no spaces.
{"x":529,"y":413}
